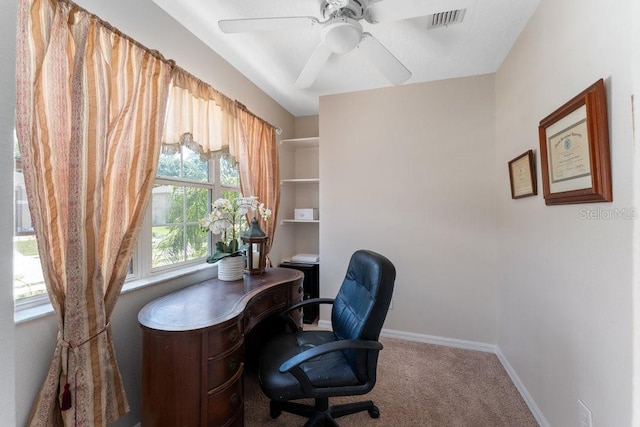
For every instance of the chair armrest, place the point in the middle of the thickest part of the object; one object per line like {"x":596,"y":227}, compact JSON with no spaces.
{"x":311,"y":301}
{"x":329,"y":347}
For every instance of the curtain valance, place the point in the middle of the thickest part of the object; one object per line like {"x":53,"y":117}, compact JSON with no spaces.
{"x":198,"y":117}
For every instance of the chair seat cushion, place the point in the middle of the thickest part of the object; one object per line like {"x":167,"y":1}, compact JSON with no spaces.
{"x":285,"y":386}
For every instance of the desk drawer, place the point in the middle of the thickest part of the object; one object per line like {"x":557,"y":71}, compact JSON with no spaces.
{"x":268,"y":303}
{"x":223,"y":404}
{"x":220,"y":369}
{"x":297,"y":292}
{"x":224,"y":338}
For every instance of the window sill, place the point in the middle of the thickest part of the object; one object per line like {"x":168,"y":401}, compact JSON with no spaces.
{"x":24,"y":312}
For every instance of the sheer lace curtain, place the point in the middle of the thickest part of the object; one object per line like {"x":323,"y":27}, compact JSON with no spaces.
{"x":89,"y":115}
{"x":198,"y":117}
{"x":208,"y":122}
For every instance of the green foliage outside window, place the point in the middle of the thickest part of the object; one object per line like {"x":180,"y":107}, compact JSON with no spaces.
{"x":182,"y":238}
{"x":177,"y":235}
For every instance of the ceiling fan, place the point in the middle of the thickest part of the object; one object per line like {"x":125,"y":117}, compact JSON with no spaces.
{"x":341,"y":32}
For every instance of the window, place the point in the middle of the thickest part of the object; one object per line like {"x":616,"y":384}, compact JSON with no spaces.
{"x":28,"y":280}
{"x":171,"y":237}
{"x":185,"y":186}
{"x":183,"y":192}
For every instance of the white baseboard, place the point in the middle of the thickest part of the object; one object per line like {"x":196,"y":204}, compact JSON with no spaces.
{"x":432,"y":339}
{"x":467,"y":345}
{"x":533,"y":407}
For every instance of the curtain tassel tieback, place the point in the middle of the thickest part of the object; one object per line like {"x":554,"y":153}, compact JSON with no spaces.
{"x":65,"y":396}
{"x":65,"y":401}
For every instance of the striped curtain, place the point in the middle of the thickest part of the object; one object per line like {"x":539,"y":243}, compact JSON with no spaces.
{"x":89,"y":117}
{"x":258,"y":164}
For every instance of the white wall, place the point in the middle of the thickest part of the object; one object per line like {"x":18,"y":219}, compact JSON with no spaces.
{"x":401,"y":176}
{"x":7,"y":106}
{"x":634,"y":10}
{"x":408,"y":172}
{"x":565,"y":282}
{"x":35,"y":339}
{"x":306,"y":126}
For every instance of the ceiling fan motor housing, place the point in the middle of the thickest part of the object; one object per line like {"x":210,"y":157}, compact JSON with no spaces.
{"x":350,"y":8}
{"x":341,"y":34}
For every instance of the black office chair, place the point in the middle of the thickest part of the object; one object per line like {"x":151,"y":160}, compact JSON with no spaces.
{"x":320,"y":364}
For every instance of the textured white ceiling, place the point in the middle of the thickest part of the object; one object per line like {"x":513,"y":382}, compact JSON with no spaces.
{"x":273,"y":60}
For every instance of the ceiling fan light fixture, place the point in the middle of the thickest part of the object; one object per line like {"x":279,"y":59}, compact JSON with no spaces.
{"x":341,"y":35}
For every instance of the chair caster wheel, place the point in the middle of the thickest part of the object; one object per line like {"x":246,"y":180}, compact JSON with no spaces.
{"x":374,"y":412}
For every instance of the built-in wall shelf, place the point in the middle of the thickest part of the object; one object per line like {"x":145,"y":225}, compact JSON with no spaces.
{"x":300,"y":189}
{"x":301,"y":142}
{"x":299,"y":221}
{"x":300,"y":181}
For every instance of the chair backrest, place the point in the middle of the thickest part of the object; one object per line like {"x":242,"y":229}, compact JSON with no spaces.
{"x":363,"y":300}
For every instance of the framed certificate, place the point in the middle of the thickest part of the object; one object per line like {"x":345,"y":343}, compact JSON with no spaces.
{"x":522,"y":175}
{"x":574,"y":150}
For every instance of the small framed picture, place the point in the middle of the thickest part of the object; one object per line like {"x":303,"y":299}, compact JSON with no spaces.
{"x":522,"y":175}
{"x":574,"y":150}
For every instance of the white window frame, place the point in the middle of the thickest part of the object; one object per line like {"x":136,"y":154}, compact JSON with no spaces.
{"x":142,"y":258}
{"x":143,"y":274}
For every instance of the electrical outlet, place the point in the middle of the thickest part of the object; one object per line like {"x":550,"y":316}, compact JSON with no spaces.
{"x":584,"y":414}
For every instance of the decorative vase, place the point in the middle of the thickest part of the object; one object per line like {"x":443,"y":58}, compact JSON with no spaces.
{"x":231,"y":268}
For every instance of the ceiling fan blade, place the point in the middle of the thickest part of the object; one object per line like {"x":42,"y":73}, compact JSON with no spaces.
{"x":384,"y":60}
{"x":313,"y":66}
{"x":395,"y":10}
{"x":266,"y":24}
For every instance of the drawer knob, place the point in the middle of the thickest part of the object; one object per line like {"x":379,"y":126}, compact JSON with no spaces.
{"x":233,"y":336}
{"x":233,"y":364}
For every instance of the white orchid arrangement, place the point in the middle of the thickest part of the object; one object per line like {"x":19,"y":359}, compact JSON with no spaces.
{"x":226,"y":218}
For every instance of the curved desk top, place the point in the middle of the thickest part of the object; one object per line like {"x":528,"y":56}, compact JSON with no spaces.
{"x":210,"y":302}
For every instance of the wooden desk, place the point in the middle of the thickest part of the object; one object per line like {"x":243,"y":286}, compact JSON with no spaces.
{"x":193,"y":344}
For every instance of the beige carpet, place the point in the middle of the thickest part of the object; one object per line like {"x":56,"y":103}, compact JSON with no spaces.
{"x":421,"y":385}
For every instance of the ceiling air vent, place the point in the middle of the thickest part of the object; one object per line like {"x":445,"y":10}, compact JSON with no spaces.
{"x":444,"y":19}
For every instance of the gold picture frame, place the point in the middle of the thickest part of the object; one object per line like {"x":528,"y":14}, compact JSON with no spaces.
{"x":522,"y":176}
{"x":574,"y":150}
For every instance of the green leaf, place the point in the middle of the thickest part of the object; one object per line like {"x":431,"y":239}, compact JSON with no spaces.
{"x":220,"y":255}
{"x":221,"y":247}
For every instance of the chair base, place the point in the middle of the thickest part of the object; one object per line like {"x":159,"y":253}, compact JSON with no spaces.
{"x":321,"y":414}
